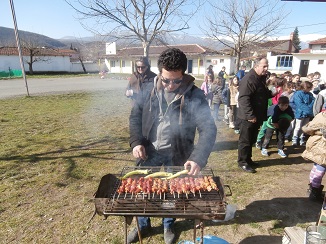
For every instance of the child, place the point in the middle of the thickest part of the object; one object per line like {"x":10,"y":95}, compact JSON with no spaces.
{"x":315,"y":151}
{"x":279,"y":122}
{"x":303,"y":101}
{"x":296,"y":78}
{"x":279,"y":89}
{"x":207,"y":88}
{"x":287,"y":75}
{"x":289,"y":90}
{"x":217,"y":97}
{"x":233,"y":89}
{"x":310,"y":77}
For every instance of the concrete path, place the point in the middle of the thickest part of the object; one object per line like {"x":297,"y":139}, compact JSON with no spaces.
{"x":17,"y":87}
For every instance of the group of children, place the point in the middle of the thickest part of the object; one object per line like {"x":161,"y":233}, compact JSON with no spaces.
{"x":291,"y":107}
{"x":295,"y":100}
{"x":219,"y":92}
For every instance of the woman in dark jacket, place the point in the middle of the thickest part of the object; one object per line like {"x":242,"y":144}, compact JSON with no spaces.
{"x":142,"y":75}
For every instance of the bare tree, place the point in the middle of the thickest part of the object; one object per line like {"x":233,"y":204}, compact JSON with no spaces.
{"x":142,"y":20}
{"x":244,"y":22}
{"x":36,"y":53}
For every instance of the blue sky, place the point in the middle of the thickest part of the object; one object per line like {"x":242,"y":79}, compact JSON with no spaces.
{"x":56,"y":19}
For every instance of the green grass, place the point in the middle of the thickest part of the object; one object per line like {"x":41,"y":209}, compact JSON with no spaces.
{"x":55,"y":149}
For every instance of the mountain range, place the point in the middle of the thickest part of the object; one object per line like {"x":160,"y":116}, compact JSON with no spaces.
{"x":7,"y":38}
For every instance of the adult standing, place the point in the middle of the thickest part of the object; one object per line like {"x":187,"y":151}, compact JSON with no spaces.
{"x":241,"y":72}
{"x":163,"y":124}
{"x":222,"y":74}
{"x":210,"y":71}
{"x":253,"y":102}
{"x":143,"y":74}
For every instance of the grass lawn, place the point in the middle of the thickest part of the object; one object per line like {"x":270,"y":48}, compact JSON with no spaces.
{"x":55,"y":149}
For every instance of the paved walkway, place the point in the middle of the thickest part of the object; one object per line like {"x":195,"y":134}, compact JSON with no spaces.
{"x":17,"y":87}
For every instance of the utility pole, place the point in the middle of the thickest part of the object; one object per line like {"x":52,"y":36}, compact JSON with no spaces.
{"x":18,"y":44}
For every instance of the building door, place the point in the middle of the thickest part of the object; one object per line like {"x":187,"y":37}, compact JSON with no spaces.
{"x":189,"y":66}
{"x":304,"y":65}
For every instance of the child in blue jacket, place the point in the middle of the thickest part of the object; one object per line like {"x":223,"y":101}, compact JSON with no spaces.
{"x":304,"y":101}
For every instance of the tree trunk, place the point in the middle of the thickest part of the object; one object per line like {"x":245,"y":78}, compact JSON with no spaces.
{"x":237,"y":63}
{"x":83,"y":66}
{"x":30,"y":67}
{"x":146,"y":49}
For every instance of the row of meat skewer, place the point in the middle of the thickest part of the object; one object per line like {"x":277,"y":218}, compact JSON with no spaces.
{"x":176,"y":186}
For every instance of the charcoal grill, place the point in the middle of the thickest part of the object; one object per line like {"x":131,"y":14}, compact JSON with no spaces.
{"x":199,"y":205}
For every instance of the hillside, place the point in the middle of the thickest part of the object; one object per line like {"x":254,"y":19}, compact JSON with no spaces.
{"x":7,"y":38}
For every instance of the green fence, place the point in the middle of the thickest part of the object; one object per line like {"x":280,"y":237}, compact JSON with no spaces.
{"x":13,"y":73}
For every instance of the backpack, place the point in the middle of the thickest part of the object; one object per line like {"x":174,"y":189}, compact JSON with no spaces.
{"x":318,"y":104}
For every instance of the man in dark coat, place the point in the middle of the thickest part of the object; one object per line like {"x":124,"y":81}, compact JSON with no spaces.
{"x":253,"y":103}
{"x":163,"y":124}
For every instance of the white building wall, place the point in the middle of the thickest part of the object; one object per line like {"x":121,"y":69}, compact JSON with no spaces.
{"x":313,"y":63}
{"x":54,"y":63}
{"x":228,"y":62}
{"x":90,"y":67}
{"x":9,"y":61}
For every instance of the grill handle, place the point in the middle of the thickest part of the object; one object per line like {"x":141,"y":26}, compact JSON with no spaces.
{"x":230,"y":192}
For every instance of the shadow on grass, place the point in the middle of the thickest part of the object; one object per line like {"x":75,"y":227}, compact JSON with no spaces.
{"x":97,"y":150}
{"x":262,"y":239}
{"x":283,"y":212}
{"x":225,"y":145}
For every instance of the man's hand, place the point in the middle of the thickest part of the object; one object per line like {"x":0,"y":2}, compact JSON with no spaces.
{"x":194,"y":167}
{"x":254,"y":120}
{"x":139,"y":152}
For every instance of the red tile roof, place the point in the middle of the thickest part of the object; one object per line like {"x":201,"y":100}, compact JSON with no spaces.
{"x":13,"y":51}
{"x":188,"y":49}
{"x":319,"y":41}
{"x":270,"y":44}
{"x":307,"y":50}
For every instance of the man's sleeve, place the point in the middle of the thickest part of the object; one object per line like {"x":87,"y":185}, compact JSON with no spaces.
{"x":246,"y":90}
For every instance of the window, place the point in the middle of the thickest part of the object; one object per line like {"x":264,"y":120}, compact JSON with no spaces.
{"x":320,"y":61}
{"x":123,"y":63}
{"x":112,"y":63}
{"x":284,"y":61}
{"x":323,"y":46}
{"x":221,"y":61}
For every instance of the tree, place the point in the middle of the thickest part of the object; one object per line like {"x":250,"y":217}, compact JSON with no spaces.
{"x":142,"y":20}
{"x":244,"y":22}
{"x":296,"y":39}
{"x":36,"y":53}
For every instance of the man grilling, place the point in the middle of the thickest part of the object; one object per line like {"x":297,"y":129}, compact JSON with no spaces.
{"x":163,"y":124}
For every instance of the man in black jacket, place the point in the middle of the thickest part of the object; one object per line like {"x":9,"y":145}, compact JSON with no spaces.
{"x":163,"y":124}
{"x":253,"y":103}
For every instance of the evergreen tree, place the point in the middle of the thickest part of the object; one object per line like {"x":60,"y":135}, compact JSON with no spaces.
{"x":296,"y":39}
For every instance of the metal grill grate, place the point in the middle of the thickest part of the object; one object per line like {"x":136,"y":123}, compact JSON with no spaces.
{"x":204,"y":205}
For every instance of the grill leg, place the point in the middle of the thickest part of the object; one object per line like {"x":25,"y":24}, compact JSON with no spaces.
{"x":126,"y":229}
{"x":139,"y":235}
{"x":195,"y":228}
{"x":198,"y":223}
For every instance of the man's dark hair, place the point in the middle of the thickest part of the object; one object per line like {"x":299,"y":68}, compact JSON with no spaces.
{"x":283,"y":124}
{"x":172,"y":59}
{"x":283,"y":100}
